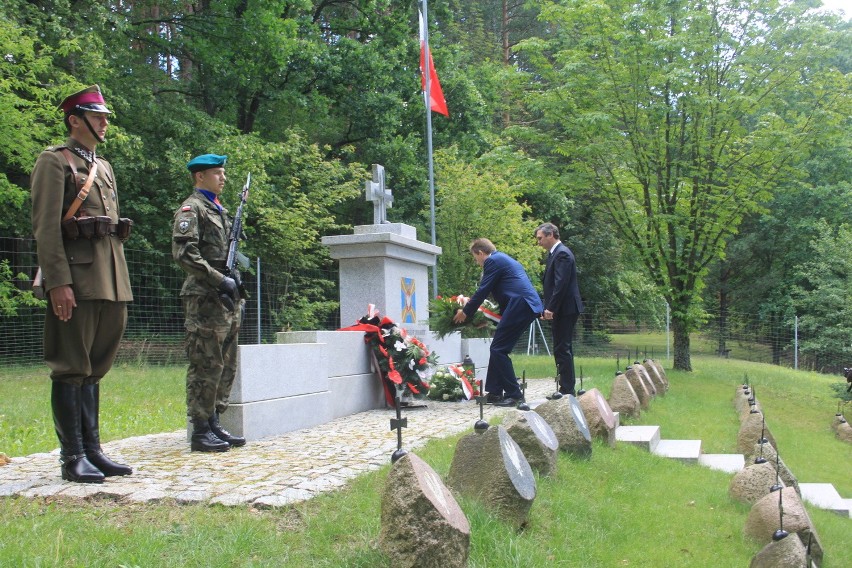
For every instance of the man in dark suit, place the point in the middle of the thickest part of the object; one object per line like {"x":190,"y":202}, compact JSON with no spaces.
{"x":562,"y":302}
{"x":505,"y":279}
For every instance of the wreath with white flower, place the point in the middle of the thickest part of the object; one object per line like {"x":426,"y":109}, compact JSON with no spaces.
{"x":452,"y":383}
{"x":403,"y":360}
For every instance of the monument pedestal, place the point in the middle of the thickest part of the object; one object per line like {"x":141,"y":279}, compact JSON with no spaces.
{"x":384,"y":265}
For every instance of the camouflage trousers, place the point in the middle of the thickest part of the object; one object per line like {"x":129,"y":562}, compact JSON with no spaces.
{"x":211,"y":347}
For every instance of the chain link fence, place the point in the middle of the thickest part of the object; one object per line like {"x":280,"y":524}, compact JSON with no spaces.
{"x":287,"y":299}
{"x":279,"y":299}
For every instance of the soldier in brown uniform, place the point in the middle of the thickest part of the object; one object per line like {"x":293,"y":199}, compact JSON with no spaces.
{"x":211,"y":303}
{"x":85,"y":279}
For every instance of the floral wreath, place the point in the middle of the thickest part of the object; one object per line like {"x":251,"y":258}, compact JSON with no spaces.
{"x":442,"y":310}
{"x":452,"y":383}
{"x":402,"y":360}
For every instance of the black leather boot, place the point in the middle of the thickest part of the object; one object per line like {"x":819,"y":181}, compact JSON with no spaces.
{"x":223,"y":434}
{"x":76,"y":467}
{"x":90,"y":397}
{"x":204,"y":440}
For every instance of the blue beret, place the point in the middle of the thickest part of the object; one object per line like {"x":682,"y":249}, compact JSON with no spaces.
{"x":205,"y":162}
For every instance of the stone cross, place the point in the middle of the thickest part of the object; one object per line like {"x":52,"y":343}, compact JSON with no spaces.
{"x":381,"y":197}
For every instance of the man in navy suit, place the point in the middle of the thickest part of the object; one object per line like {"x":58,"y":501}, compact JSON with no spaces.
{"x":562,"y":302}
{"x":505,"y":279}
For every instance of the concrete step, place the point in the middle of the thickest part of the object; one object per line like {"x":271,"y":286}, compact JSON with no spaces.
{"x":646,"y":437}
{"x":687,"y":451}
{"x":825,"y":496}
{"x":822,"y":495}
{"x":730,"y":463}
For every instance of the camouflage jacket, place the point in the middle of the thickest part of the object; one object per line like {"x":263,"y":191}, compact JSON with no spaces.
{"x":200,"y":244}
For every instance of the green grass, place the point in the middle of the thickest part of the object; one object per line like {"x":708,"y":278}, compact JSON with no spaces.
{"x":653,"y":344}
{"x":134,"y":401}
{"x":621,"y":507}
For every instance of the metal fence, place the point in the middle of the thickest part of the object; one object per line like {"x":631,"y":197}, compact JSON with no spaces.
{"x":154,"y":333}
{"x":297,"y":300}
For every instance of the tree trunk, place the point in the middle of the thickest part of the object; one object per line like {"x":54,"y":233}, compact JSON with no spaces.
{"x":681,"y":344}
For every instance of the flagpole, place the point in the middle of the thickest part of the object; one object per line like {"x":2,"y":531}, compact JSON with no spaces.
{"x":426,"y":94}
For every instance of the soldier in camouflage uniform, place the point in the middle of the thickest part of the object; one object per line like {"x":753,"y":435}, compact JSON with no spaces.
{"x":86,"y":280}
{"x":211,"y":302}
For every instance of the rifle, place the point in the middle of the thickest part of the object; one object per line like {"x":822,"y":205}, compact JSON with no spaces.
{"x":234,"y":255}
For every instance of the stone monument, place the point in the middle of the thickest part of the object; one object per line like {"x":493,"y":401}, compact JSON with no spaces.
{"x":312,"y":377}
{"x":383,"y":264}
{"x":842,"y":428}
{"x":646,"y":377}
{"x":661,"y":373}
{"x":660,"y":385}
{"x":785,"y":553}
{"x":752,"y":483}
{"x":752,"y":428}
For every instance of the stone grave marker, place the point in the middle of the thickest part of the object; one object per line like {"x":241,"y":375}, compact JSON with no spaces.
{"x":535,"y":438}
{"x":770,"y":454}
{"x":599,"y":415}
{"x":569,"y":424}
{"x":765,"y":518}
{"x":422,"y":524}
{"x":639,"y":387}
{"x":751,"y":430}
{"x":655,"y":377}
{"x":622,"y":397}
{"x":491,"y":468}
{"x":752,"y":483}
{"x":842,"y":429}
{"x":741,"y":401}
{"x":660,"y":371}
{"x":646,"y":378}
{"x":788,"y":552}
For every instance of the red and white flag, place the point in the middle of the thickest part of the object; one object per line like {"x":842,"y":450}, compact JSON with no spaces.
{"x":436,"y":96}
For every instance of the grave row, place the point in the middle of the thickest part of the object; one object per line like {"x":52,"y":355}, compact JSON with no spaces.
{"x":778,"y":518}
{"x":421,"y":521}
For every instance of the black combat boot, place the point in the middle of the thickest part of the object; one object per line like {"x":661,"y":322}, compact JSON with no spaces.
{"x":90,"y":396}
{"x":76,"y":467}
{"x":204,"y":440}
{"x":223,"y":434}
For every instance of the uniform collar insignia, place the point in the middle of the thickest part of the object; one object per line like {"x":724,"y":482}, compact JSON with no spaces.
{"x":82,"y":151}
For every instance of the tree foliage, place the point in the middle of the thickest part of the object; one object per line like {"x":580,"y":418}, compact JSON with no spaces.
{"x":823,"y":296}
{"x":474,"y":201}
{"x":650,"y":132}
{"x":682,"y":117}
